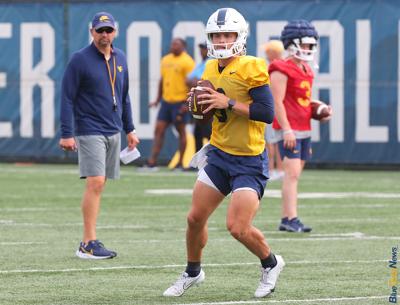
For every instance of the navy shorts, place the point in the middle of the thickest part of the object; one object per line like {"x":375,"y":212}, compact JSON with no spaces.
{"x":229,"y":172}
{"x":173,"y":112}
{"x":302,"y":150}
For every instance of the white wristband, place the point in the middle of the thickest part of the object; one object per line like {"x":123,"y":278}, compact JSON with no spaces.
{"x":287,"y":131}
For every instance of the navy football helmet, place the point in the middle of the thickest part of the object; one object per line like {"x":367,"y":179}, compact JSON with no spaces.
{"x":299,"y":32}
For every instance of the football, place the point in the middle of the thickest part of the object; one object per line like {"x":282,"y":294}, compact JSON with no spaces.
{"x":196,"y":109}
{"x":319,"y":110}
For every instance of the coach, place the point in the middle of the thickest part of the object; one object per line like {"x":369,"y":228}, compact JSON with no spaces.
{"x":95,"y":100}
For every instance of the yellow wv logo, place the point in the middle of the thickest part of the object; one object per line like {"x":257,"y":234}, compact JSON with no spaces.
{"x":104,"y":18}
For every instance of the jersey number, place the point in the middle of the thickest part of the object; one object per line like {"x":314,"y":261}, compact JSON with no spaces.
{"x":305,"y":101}
{"x":221,"y":113}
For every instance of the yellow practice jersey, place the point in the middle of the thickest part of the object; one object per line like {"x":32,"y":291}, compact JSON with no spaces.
{"x":174,"y":70}
{"x":232,"y":133}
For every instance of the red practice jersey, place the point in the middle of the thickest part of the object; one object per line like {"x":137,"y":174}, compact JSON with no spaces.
{"x":298,"y":93}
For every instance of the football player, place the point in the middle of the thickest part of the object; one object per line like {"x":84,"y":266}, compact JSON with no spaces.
{"x":237,"y":162}
{"x":273,"y":50}
{"x":291,"y":85}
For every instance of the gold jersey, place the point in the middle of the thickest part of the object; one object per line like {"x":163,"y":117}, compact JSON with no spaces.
{"x":232,"y":133}
{"x":174,"y":70}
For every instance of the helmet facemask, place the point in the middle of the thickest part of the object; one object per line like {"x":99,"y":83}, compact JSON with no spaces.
{"x":297,"y":51}
{"x":238,"y":47}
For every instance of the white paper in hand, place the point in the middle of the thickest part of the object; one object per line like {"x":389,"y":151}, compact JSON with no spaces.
{"x":127,"y":156}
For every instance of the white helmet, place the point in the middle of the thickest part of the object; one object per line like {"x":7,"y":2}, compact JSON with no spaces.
{"x":227,"y":20}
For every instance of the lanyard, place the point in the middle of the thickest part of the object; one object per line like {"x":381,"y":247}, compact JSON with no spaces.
{"x":112,"y":81}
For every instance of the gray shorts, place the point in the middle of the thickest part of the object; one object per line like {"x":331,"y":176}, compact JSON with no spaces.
{"x":99,"y":155}
{"x":270,"y":136}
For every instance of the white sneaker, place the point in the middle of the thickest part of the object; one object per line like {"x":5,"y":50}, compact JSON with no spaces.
{"x":276,"y":175}
{"x":269,"y":277}
{"x":184,"y":283}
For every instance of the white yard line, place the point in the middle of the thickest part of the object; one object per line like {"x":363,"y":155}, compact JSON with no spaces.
{"x":6,"y":222}
{"x":122,"y":227}
{"x":10,"y":222}
{"x":155,"y":267}
{"x":277,"y":194}
{"x":346,"y":206}
{"x":300,"y":239}
{"x":363,"y":220}
{"x":307,"y":301}
{"x":21,"y":243}
{"x":41,"y":208}
{"x":32,"y":169}
{"x":221,"y":240}
{"x":71,"y":196}
{"x":169,"y":192}
{"x":35,"y":170}
{"x":351,"y":236}
{"x":168,"y":207}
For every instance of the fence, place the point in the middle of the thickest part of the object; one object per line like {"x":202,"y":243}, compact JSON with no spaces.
{"x":358,"y":68}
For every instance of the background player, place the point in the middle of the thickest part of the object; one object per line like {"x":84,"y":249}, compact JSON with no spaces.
{"x":172,"y":92}
{"x":201,"y":129}
{"x":273,"y":50}
{"x":291,"y":84}
{"x":237,"y":160}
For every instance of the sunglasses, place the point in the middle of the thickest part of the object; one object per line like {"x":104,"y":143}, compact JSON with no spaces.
{"x":108,"y":30}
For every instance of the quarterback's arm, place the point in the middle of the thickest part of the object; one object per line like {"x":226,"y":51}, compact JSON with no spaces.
{"x":262,"y":108}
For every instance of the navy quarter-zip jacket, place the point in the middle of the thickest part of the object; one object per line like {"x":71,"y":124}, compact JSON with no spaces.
{"x":86,"y":95}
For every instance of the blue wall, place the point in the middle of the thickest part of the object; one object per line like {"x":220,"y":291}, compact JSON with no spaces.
{"x":358,"y":68}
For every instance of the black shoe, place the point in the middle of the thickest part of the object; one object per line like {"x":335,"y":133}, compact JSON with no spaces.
{"x":295,"y":225}
{"x":94,"y":249}
{"x":283,"y":224}
{"x":148,"y":168}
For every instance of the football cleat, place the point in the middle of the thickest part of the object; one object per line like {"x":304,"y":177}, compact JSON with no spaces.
{"x":183,"y":283}
{"x":295,"y":225}
{"x":94,"y":249}
{"x":150,"y":168}
{"x":283,"y":224}
{"x":269,"y":277}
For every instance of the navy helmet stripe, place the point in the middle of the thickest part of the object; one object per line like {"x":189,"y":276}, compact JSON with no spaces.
{"x":221,"y":16}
